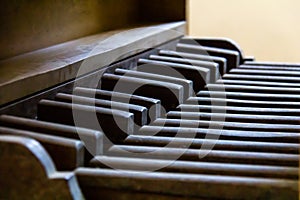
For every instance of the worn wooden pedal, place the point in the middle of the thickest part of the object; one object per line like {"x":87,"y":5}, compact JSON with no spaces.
{"x":231,"y":56}
{"x":223,"y":43}
{"x":172,"y":129}
{"x":269,"y":67}
{"x":186,"y":84}
{"x":266,"y":72}
{"x":269,"y":78}
{"x":213,"y":67}
{"x":153,"y":105}
{"x":115,"y":124}
{"x":241,"y":102}
{"x":66,"y":153}
{"x":222,"y":62}
{"x":250,"y":96}
{"x":224,"y":156}
{"x":170,"y":94}
{"x":190,"y":167}
{"x":193,"y":123}
{"x":199,"y":75}
{"x":93,"y":183}
{"x":257,"y":83}
{"x":253,"y":89}
{"x":221,"y":144}
{"x":239,"y":110}
{"x":92,"y":139}
{"x":140,"y":113}
{"x":229,"y":117}
{"x":27,"y":170}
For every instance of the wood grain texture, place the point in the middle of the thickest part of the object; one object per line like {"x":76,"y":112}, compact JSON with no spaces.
{"x":28,"y":73}
{"x":30,"y":25}
{"x":28,"y":170}
{"x":27,"y":25}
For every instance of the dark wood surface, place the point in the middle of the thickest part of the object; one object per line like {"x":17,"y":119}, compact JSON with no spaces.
{"x":28,"y":172}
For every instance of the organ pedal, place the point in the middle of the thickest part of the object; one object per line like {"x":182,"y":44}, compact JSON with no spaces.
{"x":199,"y":121}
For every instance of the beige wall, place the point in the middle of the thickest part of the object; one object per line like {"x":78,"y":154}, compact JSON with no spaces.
{"x":266,"y":29}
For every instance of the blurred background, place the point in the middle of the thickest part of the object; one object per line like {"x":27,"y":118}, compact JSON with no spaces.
{"x":266,"y":29}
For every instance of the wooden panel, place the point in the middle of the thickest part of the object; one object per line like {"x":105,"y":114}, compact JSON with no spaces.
{"x":162,"y":10}
{"x":29,"y":25}
{"x":26,"y":25}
